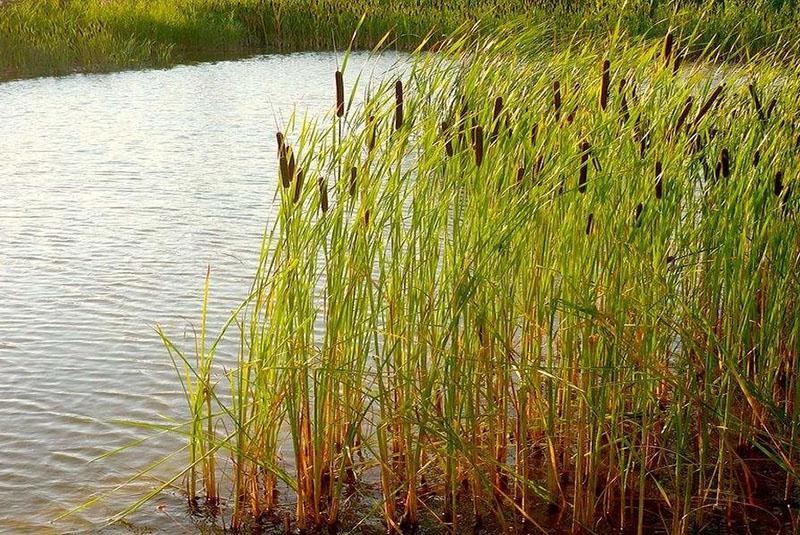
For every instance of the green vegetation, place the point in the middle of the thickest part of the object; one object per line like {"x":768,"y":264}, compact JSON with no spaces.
{"x":60,"y":36}
{"x":520,"y":287}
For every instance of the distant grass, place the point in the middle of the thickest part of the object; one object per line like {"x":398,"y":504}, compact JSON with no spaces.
{"x":47,"y":37}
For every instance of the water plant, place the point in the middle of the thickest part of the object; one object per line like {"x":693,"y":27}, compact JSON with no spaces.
{"x":501,"y":292}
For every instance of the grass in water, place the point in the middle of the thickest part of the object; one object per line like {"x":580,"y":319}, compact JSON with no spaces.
{"x":522,"y":288}
{"x":47,"y":37}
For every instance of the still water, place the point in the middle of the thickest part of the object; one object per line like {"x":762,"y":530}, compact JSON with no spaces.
{"x":118,"y":191}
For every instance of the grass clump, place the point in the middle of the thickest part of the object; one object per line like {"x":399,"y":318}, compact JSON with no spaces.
{"x":46,"y":37}
{"x":527,"y":289}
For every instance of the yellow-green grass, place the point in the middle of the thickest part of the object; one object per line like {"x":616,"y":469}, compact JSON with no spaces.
{"x":516,"y":279}
{"x":46,"y":37}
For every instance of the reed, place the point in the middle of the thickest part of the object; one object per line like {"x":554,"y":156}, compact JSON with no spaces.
{"x":450,"y":341}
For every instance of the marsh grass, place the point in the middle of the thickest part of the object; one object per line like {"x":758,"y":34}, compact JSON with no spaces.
{"x":50,"y":37}
{"x":570,"y":312}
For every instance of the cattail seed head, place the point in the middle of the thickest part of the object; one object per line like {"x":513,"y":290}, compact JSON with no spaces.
{"x":756,"y":158}
{"x":771,"y":107}
{"x":283,"y":159}
{"x":638,"y":213}
{"x":668,"y":42}
{"x":534,"y":133}
{"x":398,"y":105}
{"x":684,"y":115}
{"x":477,"y":144}
{"x":520,"y":175}
{"x":777,"y":187}
{"x":659,"y":181}
{"x":448,"y":142}
{"x":496,"y":112}
{"x":709,"y":103}
{"x":725,"y":163}
{"x":298,"y":187}
{"x":323,"y":194}
{"x":605,"y":82}
{"x":339,"y":94}
{"x":589,"y":224}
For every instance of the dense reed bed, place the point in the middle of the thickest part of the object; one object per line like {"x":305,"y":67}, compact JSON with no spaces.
{"x":521,"y":290}
{"x":45,"y":37}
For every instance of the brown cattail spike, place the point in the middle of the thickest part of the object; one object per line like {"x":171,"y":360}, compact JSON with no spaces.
{"x":638,"y":213}
{"x":777,"y":187}
{"x":669,"y":40}
{"x":659,"y":181}
{"x":725,"y":163}
{"x":520,"y":175}
{"x":283,"y":160}
{"x":339,"y":94}
{"x":605,"y":82}
{"x":477,"y":144}
{"x":589,"y":224}
{"x":298,"y":187}
{"x":323,"y":194}
{"x":534,"y":133}
{"x":756,"y":158}
{"x":496,"y":112}
{"x":448,"y":142}
{"x":710,"y":102}
{"x":584,"y":172}
{"x":398,"y":105}
{"x":557,"y":98}
{"x":771,"y":107}
{"x":683,"y":116}
{"x":757,"y":103}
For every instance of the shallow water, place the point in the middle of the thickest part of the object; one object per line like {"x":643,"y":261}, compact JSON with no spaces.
{"x":117,"y":192}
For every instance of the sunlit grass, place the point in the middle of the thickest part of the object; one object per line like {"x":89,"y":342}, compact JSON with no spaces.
{"x":41,"y":37}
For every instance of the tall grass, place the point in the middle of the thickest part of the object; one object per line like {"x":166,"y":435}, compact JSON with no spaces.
{"x":45,"y":37}
{"x":525,"y":288}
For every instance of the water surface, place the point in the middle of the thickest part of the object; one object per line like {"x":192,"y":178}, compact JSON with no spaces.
{"x":117,"y":192}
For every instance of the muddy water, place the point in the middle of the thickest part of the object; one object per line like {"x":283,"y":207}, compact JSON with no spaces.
{"x":117,"y":191}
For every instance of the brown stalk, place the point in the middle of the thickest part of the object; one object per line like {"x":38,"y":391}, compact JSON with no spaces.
{"x":683,"y":116}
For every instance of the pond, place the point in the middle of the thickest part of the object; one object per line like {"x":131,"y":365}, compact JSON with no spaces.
{"x":118,"y":191}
